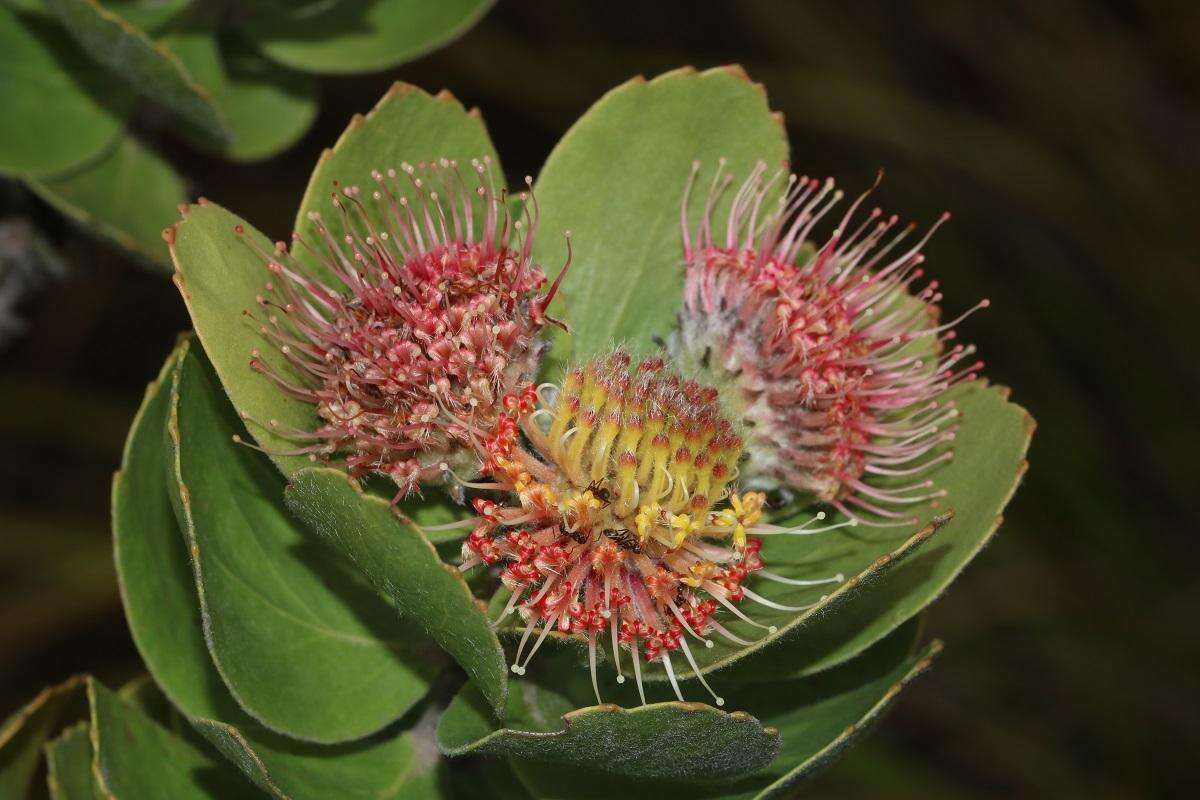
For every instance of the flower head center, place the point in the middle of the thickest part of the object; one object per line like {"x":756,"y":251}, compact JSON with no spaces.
{"x":641,"y":454}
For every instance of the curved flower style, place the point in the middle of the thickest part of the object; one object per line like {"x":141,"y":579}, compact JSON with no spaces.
{"x":829,"y":352}
{"x":619,"y":515}
{"x":434,"y":318}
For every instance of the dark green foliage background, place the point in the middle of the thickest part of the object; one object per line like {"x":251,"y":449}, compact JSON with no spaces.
{"x":1061,"y":135}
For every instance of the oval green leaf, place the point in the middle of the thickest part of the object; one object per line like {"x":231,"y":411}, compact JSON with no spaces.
{"x":406,"y":125}
{"x":137,"y":757}
{"x":154,"y":573}
{"x":150,"y":16}
{"x":616,"y":180}
{"x":218,"y":273}
{"x":163,"y":611}
{"x":24,"y":733}
{"x":356,"y":35}
{"x":661,"y":741}
{"x":60,"y":109}
{"x":127,"y":195}
{"x":397,"y":767}
{"x":285,"y":620}
{"x":816,"y":719}
{"x":404,"y":567}
{"x":150,"y":68}
{"x":268,"y":108}
{"x":69,"y":765}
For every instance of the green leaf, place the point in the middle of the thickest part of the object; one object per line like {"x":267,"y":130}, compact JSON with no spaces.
{"x":403,"y":566}
{"x":399,"y":767}
{"x":218,"y":274}
{"x":150,"y":68}
{"x":149,"y":15}
{"x":356,"y":35}
{"x":494,"y":773}
{"x":145,"y":695}
{"x":816,"y":718}
{"x":407,"y":124}
{"x":268,"y":108}
{"x":153,"y":568}
{"x":161,"y":606}
{"x":137,"y":757}
{"x":60,"y":110}
{"x":661,"y":741}
{"x":284,"y":619}
{"x":128,"y":195}
{"x":23,"y":734}
{"x":69,"y":765}
{"x":616,"y":180}
{"x":892,"y":579}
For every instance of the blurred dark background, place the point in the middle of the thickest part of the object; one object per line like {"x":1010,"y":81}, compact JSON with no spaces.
{"x":1064,"y":137}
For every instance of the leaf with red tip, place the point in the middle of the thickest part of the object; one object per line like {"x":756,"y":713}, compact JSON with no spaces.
{"x":406,"y":125}
{"x":616,"y":181}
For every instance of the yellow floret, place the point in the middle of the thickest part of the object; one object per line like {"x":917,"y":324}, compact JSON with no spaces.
{"x":684,"y":526}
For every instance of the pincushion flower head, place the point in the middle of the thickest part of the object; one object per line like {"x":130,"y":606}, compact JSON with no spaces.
{"x":422,"y":315}
{"x":620,"y":519}
{"x":832,"y":351}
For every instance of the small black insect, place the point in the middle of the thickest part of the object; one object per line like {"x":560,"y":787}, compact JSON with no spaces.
{"x":599,"y":492}
{"x":624,"y":539}
{"x":578,"y":536}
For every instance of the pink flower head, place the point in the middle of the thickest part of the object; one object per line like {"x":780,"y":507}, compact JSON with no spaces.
{"x":420,"y":317}
{"x":832,"y":353}
{"x":612,"y":516}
